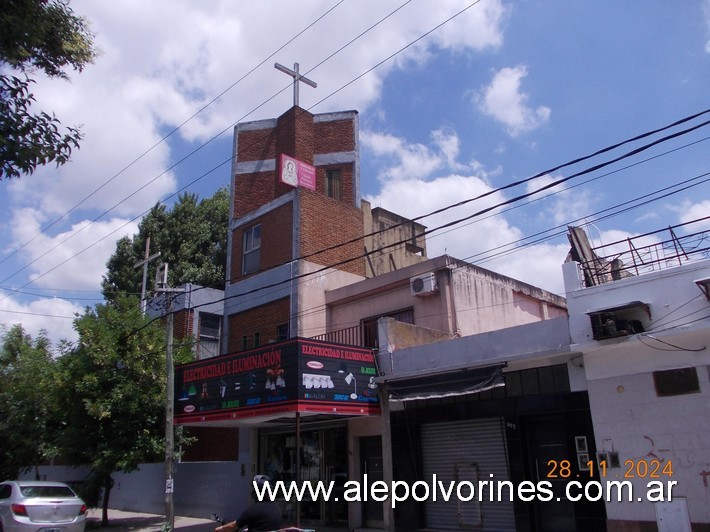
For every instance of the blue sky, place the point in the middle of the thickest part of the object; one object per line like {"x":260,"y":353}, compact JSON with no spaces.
{"x":455,"y":99}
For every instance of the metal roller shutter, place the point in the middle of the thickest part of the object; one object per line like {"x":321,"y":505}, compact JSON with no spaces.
{"x":468,"y":450}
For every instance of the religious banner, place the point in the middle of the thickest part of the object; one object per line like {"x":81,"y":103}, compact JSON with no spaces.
{"x":297,"y":375}
{"x":296,"y":173}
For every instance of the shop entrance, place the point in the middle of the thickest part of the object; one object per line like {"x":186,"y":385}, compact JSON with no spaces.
{"x":324,"y":457}
{"x":560,"y":448}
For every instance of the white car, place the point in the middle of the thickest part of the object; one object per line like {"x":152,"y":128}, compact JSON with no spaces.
{"x":33,"y":505}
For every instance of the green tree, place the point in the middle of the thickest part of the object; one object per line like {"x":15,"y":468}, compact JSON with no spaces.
{"x":44,"y":35}
{"x":111,"y":394}
{"x":26,"y":374}
{"x":191,"y":238}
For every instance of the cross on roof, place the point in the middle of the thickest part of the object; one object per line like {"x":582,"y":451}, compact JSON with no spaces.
{"x":296,"y":78}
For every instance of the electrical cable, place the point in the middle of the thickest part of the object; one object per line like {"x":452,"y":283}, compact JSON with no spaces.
{"x":183,"y":159}
{"x":554,"y":184}
{"x":173,"y":131}
{"x":488,"y":209}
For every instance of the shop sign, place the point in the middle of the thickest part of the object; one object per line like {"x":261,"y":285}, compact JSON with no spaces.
{"x":296,"y":375}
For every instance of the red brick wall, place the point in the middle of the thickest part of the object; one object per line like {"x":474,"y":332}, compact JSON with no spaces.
{"x":264,"y":320}
{"x":294,"y":136}
{"x":256,"y":145}
{"x":214,"y":444}
{"x":326,"y":222}
{"x":335,"y":136}
{"x":276,"y":240}
{"x":253,"y":191}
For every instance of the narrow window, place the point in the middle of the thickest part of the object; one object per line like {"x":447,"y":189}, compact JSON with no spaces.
{"x":208,"y":345}
{"x":282,"y":332}
{"x":333,"y":184}
{"x":251,"y":244}
{"x":256,"y":339}
{"x":245,"y":341}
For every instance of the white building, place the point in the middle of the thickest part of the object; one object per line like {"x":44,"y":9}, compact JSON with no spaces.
{"x":644,"y":340}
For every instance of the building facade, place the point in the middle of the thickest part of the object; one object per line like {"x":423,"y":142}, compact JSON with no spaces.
{"x":644,"y":338}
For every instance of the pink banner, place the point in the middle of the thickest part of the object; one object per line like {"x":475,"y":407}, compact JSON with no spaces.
{"x":296,"y":173}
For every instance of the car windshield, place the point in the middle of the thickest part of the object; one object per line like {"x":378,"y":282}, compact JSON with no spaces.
{"x":46,"y":491}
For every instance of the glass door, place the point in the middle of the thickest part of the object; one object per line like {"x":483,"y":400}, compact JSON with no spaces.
{"x":323,"y":458}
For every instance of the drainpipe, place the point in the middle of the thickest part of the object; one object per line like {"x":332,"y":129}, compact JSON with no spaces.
{"x":450,"y":299}
{"x":387,"y":468}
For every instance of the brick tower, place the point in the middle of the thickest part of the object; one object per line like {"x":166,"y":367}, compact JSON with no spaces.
{"x":286,"y":233}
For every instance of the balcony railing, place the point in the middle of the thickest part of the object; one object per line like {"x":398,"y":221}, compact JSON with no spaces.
{"x":644,"y":253}
{"x":364,"y":335}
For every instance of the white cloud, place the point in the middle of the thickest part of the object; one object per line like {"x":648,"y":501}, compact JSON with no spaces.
{"x":504,"y":101}
{"x":560,"y":204}
{"x":706,"y":12}
{"x":695,"y":211}
{"x":410,"y":161}
{"x":163,"y":61}
{"x":54,"y":316}
{"x":486,"y":239}
{"x":74,"y":259}
{"x":479,"y":240}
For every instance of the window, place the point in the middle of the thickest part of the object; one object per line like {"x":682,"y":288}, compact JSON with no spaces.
{"x":257,"y":339}
{"x":208,"y":345}
{"x":251,"y":243}
{"x":245,"y":341}
{"x":282,"y":332}
{"x":209,"y":324}
{"x":333,"y":184}
{"x":624,"y":320}
{"x":676,"y":382}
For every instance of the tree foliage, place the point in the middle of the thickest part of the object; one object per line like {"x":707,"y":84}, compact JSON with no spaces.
{"x":29,"y":140}
{"x":111,"y":393}
{"x":28,"y":428}
{"x":44,"y":35}
{"x":191,"y":238}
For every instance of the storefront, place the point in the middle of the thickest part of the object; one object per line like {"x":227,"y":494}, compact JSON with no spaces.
{"x":300,"y":398}
{"x":488,"y":432}
{"x":323,"y":457}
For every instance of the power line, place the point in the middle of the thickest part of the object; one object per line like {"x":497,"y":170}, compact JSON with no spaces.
{"x":478,"y":213}
{"x":173,"y":131}
{"x":190,"y":154}
{"x":215,"y":137}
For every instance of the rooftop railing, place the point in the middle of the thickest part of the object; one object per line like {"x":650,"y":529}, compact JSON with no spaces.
{"x":666,"y":248}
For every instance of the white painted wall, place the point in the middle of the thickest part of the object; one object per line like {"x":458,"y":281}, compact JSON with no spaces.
{"x":629,"y":417}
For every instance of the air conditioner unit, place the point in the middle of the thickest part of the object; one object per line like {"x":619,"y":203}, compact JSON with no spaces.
{"x":423,"y":285}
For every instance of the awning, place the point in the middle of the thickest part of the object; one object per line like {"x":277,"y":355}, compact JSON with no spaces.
{"x":449,"y":384}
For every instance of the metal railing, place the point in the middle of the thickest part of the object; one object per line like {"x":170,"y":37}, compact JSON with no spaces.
{"x":646,"y":253}
{"x":358,"y":335}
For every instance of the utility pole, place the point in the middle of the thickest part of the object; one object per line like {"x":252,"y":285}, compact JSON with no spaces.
{"x":144,"y":263}
{"x":161,"y":286}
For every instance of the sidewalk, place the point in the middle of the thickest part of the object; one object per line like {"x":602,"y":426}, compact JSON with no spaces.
{"x":120,"y":521}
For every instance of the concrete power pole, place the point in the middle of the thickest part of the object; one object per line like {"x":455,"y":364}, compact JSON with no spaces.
{"x":161,"y":286}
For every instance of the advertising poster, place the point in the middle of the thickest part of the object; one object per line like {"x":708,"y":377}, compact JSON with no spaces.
{"x":296,"y":375}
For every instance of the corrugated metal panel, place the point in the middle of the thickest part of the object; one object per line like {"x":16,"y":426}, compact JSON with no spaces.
{"x":470,"y":450}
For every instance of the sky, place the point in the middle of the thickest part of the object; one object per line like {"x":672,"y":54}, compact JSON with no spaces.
{"x":455,"y":99}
